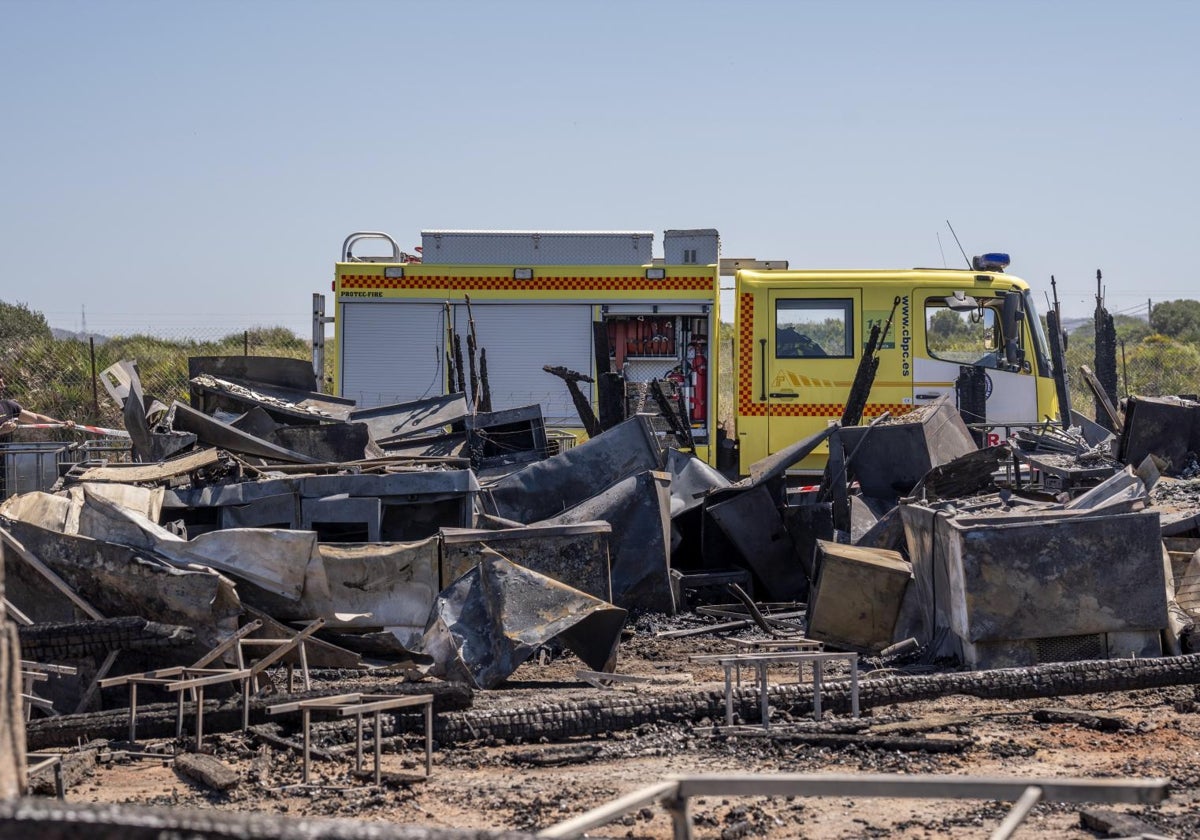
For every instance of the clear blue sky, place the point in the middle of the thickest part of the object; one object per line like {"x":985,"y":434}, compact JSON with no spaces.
{"x":192,"y":167}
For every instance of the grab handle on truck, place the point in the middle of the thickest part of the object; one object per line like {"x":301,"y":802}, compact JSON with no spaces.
{"x":355,"y":238}
{"x":762,"y":343}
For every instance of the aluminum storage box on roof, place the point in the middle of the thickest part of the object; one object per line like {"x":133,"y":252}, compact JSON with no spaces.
{"x":509,"y":247}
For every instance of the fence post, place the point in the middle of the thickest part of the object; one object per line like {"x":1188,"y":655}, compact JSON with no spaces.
{"x":95,"y":388}
{"x":246,"y":342}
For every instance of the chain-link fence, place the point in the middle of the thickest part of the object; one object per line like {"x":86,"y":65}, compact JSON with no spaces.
{"x":1152,"y":366}
{"x":61,"y":378}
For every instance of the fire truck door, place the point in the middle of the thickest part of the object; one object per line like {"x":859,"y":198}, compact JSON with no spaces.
{"x":974,"y":336}
{"x":392,"y":351}
{"x":520,"y":338}
{"x":814,"y":344}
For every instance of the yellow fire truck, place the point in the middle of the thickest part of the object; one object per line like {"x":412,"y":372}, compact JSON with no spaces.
{"x":799,"y":335}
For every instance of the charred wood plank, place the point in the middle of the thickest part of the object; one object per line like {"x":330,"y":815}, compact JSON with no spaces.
{"x":209,"y":771}
{"x":1088,"y":720}
{"x":54,"y":642}
{"x":49,"y":819}
{"x":892,"y":743}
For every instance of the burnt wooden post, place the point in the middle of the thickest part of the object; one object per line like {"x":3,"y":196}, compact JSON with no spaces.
{"x":588,"y":417}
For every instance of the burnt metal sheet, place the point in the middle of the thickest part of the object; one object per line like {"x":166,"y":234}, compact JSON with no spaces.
{"x":133,"y":414}
{"x":1093,"y":433}
{"x":775,"y":465}
{"x":891,"y":457}
{"x":213,"y":432}
{"x":857,"y":596}
{"x":1063,"y":577}
{"x":329,"y":442}
{"x":414,"y":503}
{"x":123,"y":384}
{"x":443,"y":446}
{"x":387,"y":586}
{"x":751,"y":521}
{"x":546,"y":488}
{"x":691,"y":481}
{"x":256,"y":422}
{"x":577,"y":554}
{"x":506,"y":439}
{"x":887,"y":532}
{"x":418,"y":418}
{"x":119,"y":580}
{"x":966,"y":475}
{"x":1168,"y":427}
{"x":279,"y":511}
{"x":807,"y":522}
{"x":409,"y":483}
{"x":1121,"y":489}
{"x":210,"y":394}
{"x":297,"y":374}
{"x":334,"y":517}
{"x":220,"y":495}
{"x":638,"y":509}
{"x":495,"y":617}
{"x":1052,"y":574}
{"x":274,"y":559}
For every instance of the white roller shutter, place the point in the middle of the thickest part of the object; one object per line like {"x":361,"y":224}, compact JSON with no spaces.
{"x":392,"y":351}
{"x":520,"y":339}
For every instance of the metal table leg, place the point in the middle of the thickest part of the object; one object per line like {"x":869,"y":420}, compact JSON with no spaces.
{"x":817,"y":714}
{"x":378,"y":738}
{"x":429,"y":739}
{"x":133,"y":713}
{"x":358,"y":743}
{"x":854,"y":687}
{"x":764,"y":700}
{"x":728,"y":697}
{"x":306,"y":716}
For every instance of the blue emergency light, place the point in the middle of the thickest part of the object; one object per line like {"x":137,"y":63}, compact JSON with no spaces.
{"x":990,"y":262}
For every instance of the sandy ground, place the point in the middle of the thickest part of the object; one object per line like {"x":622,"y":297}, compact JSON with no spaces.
{"x":533,"y":786}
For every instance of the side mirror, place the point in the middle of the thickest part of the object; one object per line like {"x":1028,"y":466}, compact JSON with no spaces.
{"x":1010,"y":323}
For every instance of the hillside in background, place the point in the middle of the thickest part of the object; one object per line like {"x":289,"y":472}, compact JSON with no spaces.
{"x":69,"y":335}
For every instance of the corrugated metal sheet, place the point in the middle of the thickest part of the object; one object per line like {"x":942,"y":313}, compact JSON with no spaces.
{"x":519,"y":340}
{"x":392,"y":352}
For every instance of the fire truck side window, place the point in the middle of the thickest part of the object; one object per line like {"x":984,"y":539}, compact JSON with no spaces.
{"x":814,"y":328}
{"x":965,"y":337}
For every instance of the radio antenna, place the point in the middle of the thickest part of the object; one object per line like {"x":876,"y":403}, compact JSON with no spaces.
{"x":959,"y":244}
{"x":941,"y":249}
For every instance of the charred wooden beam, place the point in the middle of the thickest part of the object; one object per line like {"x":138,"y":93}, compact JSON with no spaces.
{"x":572,"y":377}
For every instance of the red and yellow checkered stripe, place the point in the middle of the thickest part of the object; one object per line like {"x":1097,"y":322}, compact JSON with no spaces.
{"x":747,"y":407}
{"x":831,"y":410}
{"x":539,"y":283}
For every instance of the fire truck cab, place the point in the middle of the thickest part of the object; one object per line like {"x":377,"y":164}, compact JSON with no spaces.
{"x":799,"y":338}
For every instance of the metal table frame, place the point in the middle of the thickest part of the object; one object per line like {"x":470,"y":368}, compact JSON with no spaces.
{"x":762,"y":663}
{"x":358,"y":705}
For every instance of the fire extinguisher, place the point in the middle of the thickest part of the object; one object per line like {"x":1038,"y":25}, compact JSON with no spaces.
{"x":698,"y":365}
